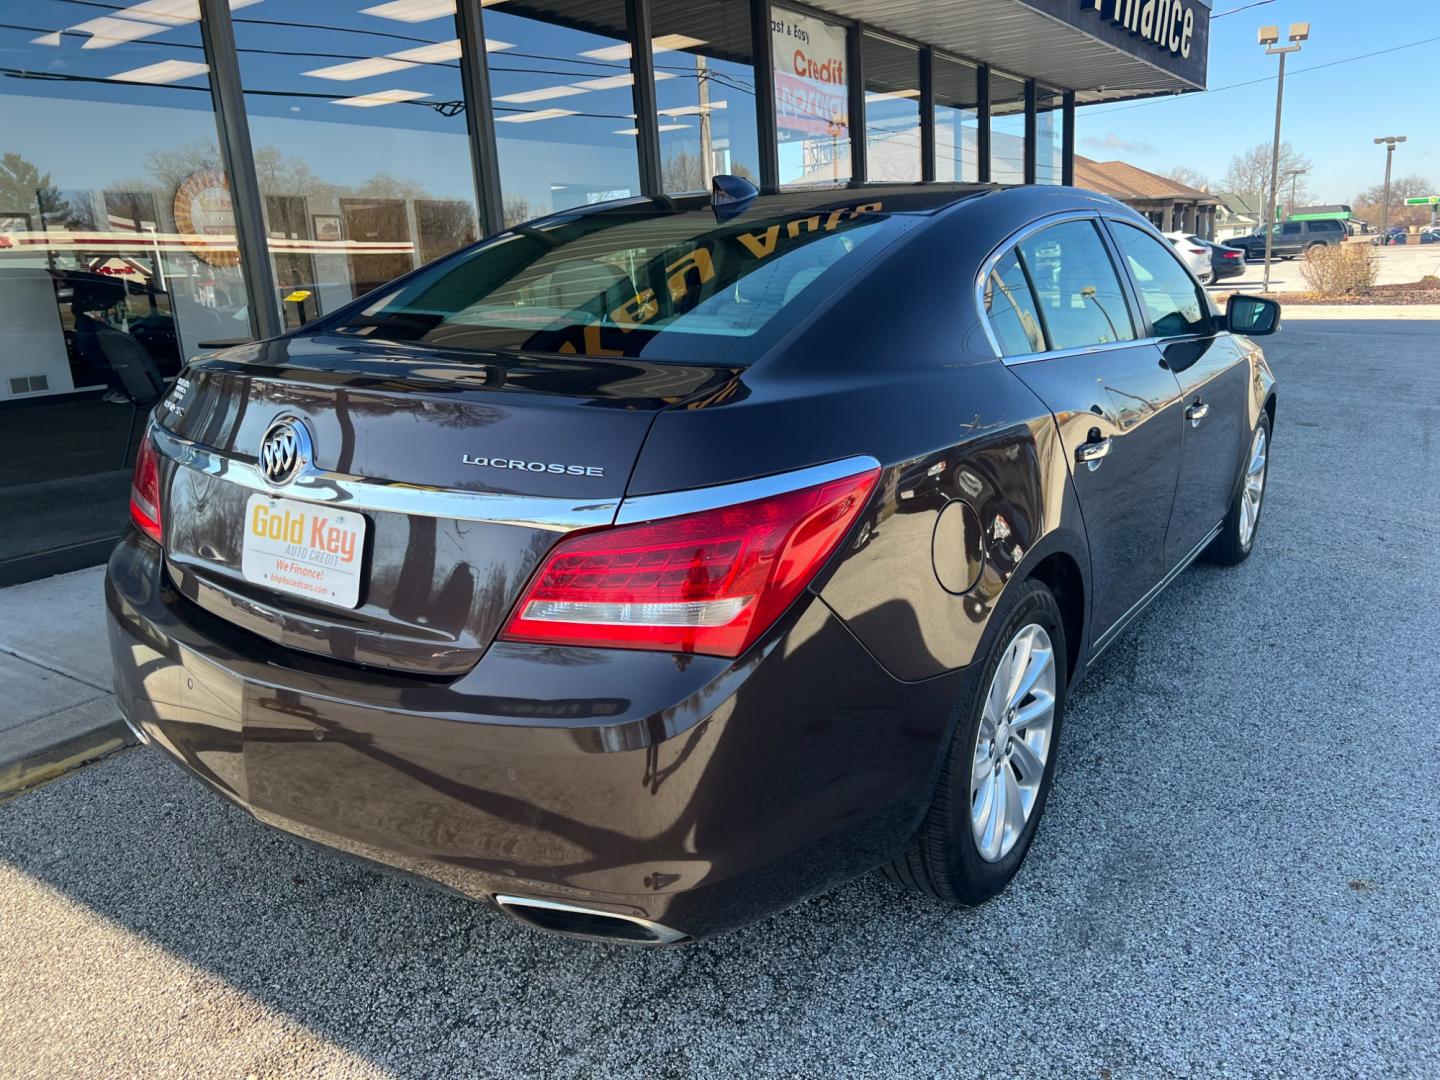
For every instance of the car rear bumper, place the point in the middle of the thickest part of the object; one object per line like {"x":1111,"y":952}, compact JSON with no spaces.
{"x":692,"y":792}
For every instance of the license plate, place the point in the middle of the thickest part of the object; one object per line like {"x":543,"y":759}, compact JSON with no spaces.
{"x":304,"y":549}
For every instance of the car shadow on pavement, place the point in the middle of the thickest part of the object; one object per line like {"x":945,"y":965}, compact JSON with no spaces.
{"x":1201,"y":899}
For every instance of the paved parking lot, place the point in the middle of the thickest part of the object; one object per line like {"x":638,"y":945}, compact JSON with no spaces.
{"x":1239,"y":874}
{"x":1398,"y":266}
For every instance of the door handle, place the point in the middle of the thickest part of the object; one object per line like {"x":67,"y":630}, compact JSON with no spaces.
{"x":1091,"y":453}
{"x":1197,"y":412}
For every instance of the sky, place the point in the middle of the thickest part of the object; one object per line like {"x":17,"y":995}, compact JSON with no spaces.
{"x":1331,"y":115}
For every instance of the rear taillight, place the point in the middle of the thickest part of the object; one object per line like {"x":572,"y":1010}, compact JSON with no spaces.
{"x":145,"y":489}
{"x":709,"y":582}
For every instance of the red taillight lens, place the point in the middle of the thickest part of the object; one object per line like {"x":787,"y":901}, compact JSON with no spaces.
{"x":145,"y":490}
{"x":710,"y":582}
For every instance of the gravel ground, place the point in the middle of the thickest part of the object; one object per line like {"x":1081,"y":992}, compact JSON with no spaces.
{"x":1237,"y":875}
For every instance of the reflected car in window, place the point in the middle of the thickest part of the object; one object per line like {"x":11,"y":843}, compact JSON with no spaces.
{"x":647,"y":568}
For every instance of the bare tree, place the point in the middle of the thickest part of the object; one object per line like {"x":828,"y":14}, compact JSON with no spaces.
{"x":1184,"y":174}
{"x":26,"y":189}
{"x":517,"y":210}
{"x":1367,"y":204}
{"x":1249,"y":174}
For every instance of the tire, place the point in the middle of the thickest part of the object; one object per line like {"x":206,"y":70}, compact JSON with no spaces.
{"x":1311,"y":247}
{"x":945,"y":859}
{"x":1236,"y":540}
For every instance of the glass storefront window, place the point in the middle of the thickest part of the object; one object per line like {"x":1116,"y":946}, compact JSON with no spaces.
{"x":705,"y":92}
{"x":892,"y":109}
{"x":812,"y":98}
{"x":361,"y":147}
{"x":564,"y":104}
{"x":117,"y":253}
{"x":1049,"y":116}
{"x":1007,"y":129}
{"x":957,"y":152}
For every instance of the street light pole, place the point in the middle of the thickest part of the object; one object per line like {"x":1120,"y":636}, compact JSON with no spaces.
{"x":1389,"y":141}
{"x":1269,"y":37}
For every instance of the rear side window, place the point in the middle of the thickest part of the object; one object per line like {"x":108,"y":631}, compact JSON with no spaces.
{"x":1076,"y":286}
{"x":679,"y":286}
{"x":1010,"y":307}
{"x":1170,"y":295}
{"x":1291,"y":229}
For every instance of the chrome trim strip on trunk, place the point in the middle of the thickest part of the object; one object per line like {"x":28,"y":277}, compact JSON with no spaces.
{"x":358,"y":493}
{"x":675,"y":503}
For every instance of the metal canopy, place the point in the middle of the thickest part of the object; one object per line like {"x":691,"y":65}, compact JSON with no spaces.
{"x":1018,"y":38}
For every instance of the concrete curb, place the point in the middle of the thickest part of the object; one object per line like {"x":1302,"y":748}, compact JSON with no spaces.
{"x":58,"y":711}
{"x":41,"y":759}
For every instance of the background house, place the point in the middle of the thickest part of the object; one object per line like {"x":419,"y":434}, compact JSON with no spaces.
{"x":1169,"y":204}
{"x":1237,"y":215}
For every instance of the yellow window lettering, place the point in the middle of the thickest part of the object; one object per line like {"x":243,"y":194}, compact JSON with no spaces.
{"x":761,"y":247}
{"x":810,"y":224}
{"x":592,"y":346}
{"x":699,"y":261}
{"x":635,"y":312}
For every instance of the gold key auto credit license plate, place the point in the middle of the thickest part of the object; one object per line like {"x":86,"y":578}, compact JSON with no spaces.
{"x":303,"y":549}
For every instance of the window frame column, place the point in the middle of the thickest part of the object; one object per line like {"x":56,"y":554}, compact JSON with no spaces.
{"x":767,"y":130}
{"x":1032,"y":125}
{"x":647,"y":116}
{"x":855,"y":61}
{"x":237,"y":156}
{"x":1067,"y":138}
{"x":982,"y":123}
{"x":480,"y":116}
{"x":927,"y":114}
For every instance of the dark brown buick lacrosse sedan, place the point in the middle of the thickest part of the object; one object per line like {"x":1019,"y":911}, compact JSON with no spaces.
{"x":646,"y":569}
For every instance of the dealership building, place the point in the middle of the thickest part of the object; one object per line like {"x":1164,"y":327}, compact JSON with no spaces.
{"x":180,"y":173}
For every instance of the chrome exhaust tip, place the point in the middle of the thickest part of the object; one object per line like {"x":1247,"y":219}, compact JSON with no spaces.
{"x":591,"y":924}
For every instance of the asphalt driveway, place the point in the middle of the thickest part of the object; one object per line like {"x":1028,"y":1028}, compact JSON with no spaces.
{"x":1239,"y":874}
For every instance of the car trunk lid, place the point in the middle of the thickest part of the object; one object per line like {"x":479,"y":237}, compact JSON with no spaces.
{"x":466,"y":468}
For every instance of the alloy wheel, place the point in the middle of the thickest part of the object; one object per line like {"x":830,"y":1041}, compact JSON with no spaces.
{"x":1013,"y":742}
{"x":1254,"y":488}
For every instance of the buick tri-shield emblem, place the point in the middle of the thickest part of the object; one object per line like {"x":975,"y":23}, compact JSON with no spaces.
{"x":284,"y":450}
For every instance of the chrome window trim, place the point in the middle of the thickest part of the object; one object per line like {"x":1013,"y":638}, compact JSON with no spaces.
{"x":358,"y":493}
{"x":1013,"y":239}
{"x":670,"y":504}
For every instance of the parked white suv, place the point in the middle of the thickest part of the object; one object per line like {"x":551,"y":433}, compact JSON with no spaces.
{"x":1196,"y":256}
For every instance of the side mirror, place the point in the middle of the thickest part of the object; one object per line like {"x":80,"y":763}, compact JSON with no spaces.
{"x":1252,"y":315}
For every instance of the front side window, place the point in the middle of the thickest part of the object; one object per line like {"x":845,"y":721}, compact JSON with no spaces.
{"x":1076,"y":286}
{"x":1010,"y":307}
{"x":1291,"y":230}
{"x":1171,"y":297}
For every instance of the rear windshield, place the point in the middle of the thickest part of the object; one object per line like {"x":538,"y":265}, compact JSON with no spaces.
{"x":615,"y":283}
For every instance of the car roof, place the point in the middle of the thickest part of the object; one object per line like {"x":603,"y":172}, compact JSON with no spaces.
{"x":916,"y":200}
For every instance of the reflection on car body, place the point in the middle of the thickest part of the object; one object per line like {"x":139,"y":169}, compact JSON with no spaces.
{"x":863,"y":482}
